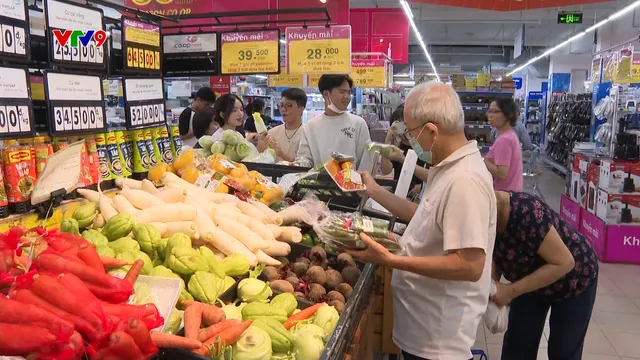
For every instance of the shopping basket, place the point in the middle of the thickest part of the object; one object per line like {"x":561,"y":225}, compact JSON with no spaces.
{"x":531,"y":172}
{"x":480,"y":353}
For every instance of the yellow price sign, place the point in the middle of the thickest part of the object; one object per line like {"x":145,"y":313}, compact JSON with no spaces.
{"x":141,"y":33}
{"x":250,"y":52}
{"x":368,"y":73}
{"x":286,"y":80}
{"x":318,"y":49}
{"x":595,"y":70}
{"x":313,"y":79}
{"x":624,"y":70}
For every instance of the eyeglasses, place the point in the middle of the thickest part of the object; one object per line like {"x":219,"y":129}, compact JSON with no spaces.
{"x":493,"y":111}
{"x":407,"y":133}
{"x":285,"y":106}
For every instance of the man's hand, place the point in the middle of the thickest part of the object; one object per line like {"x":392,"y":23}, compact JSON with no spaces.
{"x":369,"y":182}
{"x":504,"y":295}
{"x":265,"y":141}
{"x":374,"y":253}
{"x":397,"y":155}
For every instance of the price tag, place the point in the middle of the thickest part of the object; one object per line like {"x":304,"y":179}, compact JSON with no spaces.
{"x":250,"y":52}
{"x":144,"y":99}
{"x":286,"y":80}
{"x":14,"y":36}
{"x":368,"y":73}
{"x":63,"y":17}
{"x":141,"y":41}
{"x":15,"y":103}
{"x":75,"y":103}
{"x":317,"y":49}
{"x":9,"y":39}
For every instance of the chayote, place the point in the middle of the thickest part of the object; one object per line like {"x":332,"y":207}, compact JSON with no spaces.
{"x":160,"y":246}
{"x":148,"y":264}
{"x":286,"y":301}
{"x":186,"y":261}
{"x":95,"y":237}
{"x":177,"y":239}
{"x":210,"y":257}
{"x":256,"y":309}
{"x":85,"y":214}
{"x":106,"y":251}
{"x":205,"y":286}
{"x":118,"y":226}
{"x":281,"y":339}
{"x":124,"y":244}
{"x":235,"y":265}
{"x":70,"y":225}
{"x":146,"y":235}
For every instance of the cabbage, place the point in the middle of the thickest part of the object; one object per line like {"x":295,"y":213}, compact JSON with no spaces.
{"x":254,"y":344}
{"x":251,"y":289}
{"x":282,"y":356}
{"x":218,"y":147}
{"x":231,"y":153}
{"x":206,"y":141}
{"x":232,"y":311}
{"x":204,"y":152}
{"x":307,"y":342}
{"x":262,"y":158}
{"x":232,"y":137}
{"x":326,"y":318}
{"x":245,"y":149}
{"x":271,"y":151}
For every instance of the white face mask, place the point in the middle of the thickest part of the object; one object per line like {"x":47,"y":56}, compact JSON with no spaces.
{"x":333,"y":107}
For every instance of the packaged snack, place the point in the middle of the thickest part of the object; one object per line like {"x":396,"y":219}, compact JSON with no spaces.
{"x":340,"y":168}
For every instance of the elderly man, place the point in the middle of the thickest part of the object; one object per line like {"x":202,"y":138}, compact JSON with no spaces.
{"x":441,"y":284}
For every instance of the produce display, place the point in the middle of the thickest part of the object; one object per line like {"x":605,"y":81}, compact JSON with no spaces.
{"x":235,"y":147}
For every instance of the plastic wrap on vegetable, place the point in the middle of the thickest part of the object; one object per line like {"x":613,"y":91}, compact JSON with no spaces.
{"x":343,"y":231}
{"x":259,"y":122}
{"x":384,"y":149}
{"x":262,"y":158}
{"x":340,"y":168}
{"x":310,"y":210}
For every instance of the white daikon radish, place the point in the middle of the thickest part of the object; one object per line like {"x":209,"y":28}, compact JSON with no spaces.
{"x":148,"y":187}
{"x":187,"y":227}
{"x":174,"y":182}
{"x":141,"y":199}
{"x":199,"y":202}
{"x":275,"y":230}
{"x":90,"y":195}
{"x":273,"y":216}
{"x":226,"y":243}
{"x":256,"y":226}
{"x":161,"y":227}
{"x":250,"y":239}
{"x":172,"y":195}
{"x":106,"y":207}
{"x":166,"y":213}
{"x":290,"y":234}
{"x":292,"y":215}
{"x":98,"y":221}
{"x":123,"y":205}
{"x":252,"y":212}
{"x":266,"y":259}
{"x":227,"y":207}
{"x":219,"y":254}
{"x":130,"y":183}
{"x":277,"y":248}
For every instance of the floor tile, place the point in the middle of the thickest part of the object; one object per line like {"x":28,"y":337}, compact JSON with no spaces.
{"x":621,"y":304}
{"x":599,"y":357}
{"x":615,"y":321}
{"x":625,"y":344}
{"x":495,"y":339}
{"x":597,"y":343}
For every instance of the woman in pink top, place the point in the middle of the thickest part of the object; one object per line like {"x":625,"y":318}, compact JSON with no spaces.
{"x":504,"y":159}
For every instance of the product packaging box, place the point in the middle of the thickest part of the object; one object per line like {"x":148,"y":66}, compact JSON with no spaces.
{"x":593,"y":176}
{"x":578,"y":186}
{"x":617,"y":177}
{"x":618,"y":208}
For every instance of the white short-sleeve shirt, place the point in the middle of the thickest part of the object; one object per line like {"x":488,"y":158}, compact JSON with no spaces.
{"x":438,"y":319}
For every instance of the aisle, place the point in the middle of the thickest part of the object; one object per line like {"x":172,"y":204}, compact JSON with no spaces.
{"x":614,"y":333}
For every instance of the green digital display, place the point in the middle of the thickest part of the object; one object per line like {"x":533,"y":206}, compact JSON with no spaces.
{"x":570,"y":18}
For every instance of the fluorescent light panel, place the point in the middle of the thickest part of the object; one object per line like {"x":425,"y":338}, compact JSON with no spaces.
{"x":404,"y":82}
{"x":613,"y":16}
{"x":409,"y":14}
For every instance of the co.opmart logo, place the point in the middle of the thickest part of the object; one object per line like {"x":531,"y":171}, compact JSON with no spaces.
{"x":75,"y":38}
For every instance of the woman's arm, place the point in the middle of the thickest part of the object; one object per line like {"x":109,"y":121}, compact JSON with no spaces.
{"x":559,"y":261}
{"x":496,"y":273}
{"x":499,"y":172}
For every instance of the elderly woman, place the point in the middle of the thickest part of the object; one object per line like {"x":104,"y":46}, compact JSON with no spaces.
{"x":550,"y":267}
{"x":504,"y":159}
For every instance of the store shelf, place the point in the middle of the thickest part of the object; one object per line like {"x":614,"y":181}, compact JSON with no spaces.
{"x":475,"y":107}
{"x":484,"y":147}
{"x":556,"y":165}
{"x":499,"y":93}
{"x":477,"y":126}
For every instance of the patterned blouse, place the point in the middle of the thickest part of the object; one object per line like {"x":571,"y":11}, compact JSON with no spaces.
{"x":516,"y":251}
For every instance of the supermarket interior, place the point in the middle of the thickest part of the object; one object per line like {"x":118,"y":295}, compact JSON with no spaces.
{"x":328,"y":179}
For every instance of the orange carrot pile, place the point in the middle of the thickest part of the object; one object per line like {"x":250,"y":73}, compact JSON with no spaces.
{"x":302,"y":315}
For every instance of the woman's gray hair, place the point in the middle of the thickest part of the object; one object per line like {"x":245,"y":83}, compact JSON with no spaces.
{"x":438,"y":103}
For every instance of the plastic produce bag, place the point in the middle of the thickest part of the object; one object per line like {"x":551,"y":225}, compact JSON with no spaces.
{"x":496,"y":319}
{"x":384,"y":149}
{"x":343,"y":230}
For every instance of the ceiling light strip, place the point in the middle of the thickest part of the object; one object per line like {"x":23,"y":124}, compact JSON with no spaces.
{"x":613,"y":16}
{"x":409,"y":14}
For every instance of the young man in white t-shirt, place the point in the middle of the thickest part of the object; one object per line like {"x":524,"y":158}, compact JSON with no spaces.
{"x":285,"y":138}
{"x":334,"y":130}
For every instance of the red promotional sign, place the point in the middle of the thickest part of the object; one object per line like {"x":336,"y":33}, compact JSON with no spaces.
{"x":221,"y":84}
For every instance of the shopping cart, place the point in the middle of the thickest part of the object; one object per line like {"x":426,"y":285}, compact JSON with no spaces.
{"x":531,"y":172}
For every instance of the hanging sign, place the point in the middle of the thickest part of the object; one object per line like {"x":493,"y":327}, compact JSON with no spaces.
{"x":75,"y":103}
{"x":368,"y":73}
{"x":16,"y":109}
{"x":610,"y":64}
{"x":625,"y":64}
{"x":635,"y":71}
{"x":221,"y":84}
{"x":76,"y":35}
{"x":140,"y":46}
{"x":596,"y":66}
{"x":250,"y":52}
{"x":286,"y":80}
{"x":318,"y":49}
{"x":194,"y":54}
{"x":144,"y":99}
{"x":312,"y":80}
{"x":14,"y":26}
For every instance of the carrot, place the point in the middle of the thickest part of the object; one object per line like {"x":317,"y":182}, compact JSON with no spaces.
{"x":140,"y":334}
{"x":163,"y":340}
{"x":116,"y":296}
{"x":84,"y":272}
{"x":16,"y":312}
{"x":121,"y":346}
{"x":211,"y":314}
{"x":213,"y":330}
{"x":302,"y":315}
{"x":129,"y":310}
{"x":192,"y":320}
{"x":223,"y":339}
{"x":23,"y":339}
{"x":134,"y":272}
{"x":111,"y":263}
{"x":75,"y":286}
{"x":88,"y":254}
